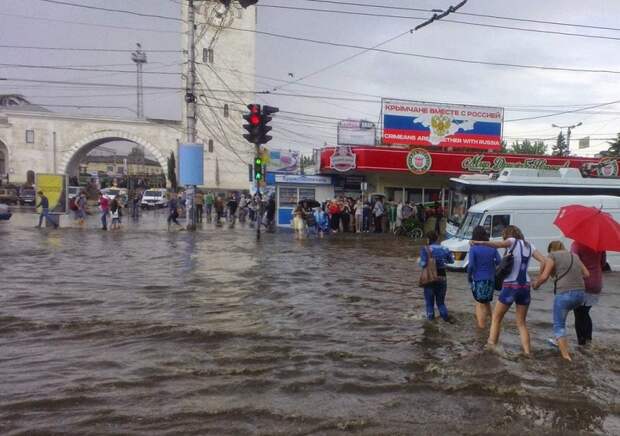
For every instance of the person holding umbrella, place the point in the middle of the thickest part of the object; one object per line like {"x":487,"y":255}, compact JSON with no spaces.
{"x":593,"y":232}
{"x":568,"y":287}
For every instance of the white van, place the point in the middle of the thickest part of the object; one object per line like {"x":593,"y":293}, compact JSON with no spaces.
{"x":533,"y":214}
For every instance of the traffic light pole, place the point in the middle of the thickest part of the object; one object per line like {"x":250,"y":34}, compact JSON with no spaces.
{"x":259,"y":206}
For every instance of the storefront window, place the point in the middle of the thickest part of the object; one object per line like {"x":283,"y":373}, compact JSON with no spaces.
{"x":414,"y":196}
{"x":287,"y":197}
{"x":458,"y":207}
{"x":306,"y":193}
{"x":432,"y":195}
{"x":394,"y":194}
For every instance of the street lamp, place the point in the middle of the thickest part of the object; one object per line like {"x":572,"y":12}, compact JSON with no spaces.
{"x":568,"y":131}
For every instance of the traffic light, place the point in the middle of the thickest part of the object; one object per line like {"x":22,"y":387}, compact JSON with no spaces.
{"x":258,"y":169}
{"x":253,"y":127}
{"x":265,"y":120}
{"x":245,"y":3}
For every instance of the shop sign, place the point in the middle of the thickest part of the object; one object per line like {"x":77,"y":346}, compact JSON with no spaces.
{"x":301,"y":179}
{"x":419,"y":161}
{"x":422,"y":161}
{"x":343,"y":159}
{"x":478,"y":164}
{"x":442,"y":125}
{"x":356,"y":132}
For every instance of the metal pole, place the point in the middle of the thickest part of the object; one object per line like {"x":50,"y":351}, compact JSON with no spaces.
{"x":190,"y":99}
{"x":259,"y":207}
{"x":568,"y":140}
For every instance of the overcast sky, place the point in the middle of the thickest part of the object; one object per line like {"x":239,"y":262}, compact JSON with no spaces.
{"x":523,"y":92}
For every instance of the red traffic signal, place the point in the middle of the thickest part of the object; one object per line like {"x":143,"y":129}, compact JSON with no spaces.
{"x":254,"y":123}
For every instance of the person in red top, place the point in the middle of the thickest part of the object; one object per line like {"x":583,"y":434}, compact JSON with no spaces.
{"x":335,"y":211}
{"x":594,"y":285}
{"x":104,"y":204}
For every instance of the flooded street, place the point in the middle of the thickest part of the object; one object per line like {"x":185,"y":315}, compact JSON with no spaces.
{"x":144,"y":331}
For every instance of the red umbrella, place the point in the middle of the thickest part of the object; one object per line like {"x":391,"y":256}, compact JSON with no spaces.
{"x":589,"y":226}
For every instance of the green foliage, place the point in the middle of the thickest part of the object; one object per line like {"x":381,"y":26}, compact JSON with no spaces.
{"x":614,"y":148}
{"x":172,"y":171}
{"x":529,"y":147}
{"x":561,"y":147}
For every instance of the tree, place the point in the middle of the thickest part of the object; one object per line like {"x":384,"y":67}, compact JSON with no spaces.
{"x":561,"y":147}
{"x":503,"y":147}
{"x":172,"y":171}
{"x":614,"y":148}
{"x":527,"y":147}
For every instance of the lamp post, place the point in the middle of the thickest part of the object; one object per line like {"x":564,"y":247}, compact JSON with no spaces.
{"x":568,"y":131}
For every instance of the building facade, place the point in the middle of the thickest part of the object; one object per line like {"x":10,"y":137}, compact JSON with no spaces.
{"x":225,"y":59}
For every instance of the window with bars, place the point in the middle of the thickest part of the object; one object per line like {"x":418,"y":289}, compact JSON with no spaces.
{"x":226,"y":110}
{"x":210,"y":146}
{"x":207,"y":55}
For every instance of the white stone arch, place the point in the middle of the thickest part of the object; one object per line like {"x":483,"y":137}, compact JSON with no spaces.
{"x":4,"y":150}
{"x":100,"y":137}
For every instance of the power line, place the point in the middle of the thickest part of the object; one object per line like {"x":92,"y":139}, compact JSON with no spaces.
{"x":564,"y":112}
{"x":405,"y":17}
{"x":105,"y":85}
{"x":105,"y":50}
{"x":82,"y":23}
{"x":57,"y":67}
{"x":375,"y":47}
{"x":471,"y":14}
{"x":122,"y":11}
{"x":422,"y":56}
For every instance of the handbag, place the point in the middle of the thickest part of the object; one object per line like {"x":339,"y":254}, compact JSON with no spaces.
{"x":428,"y":276}
{"x":504,"y":268}
{"x":555,"y":282}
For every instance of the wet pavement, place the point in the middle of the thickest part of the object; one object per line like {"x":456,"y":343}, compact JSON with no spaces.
{"x":145,"y":331}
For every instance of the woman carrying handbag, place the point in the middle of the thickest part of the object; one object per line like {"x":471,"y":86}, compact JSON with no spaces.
{"x":515,"y":287}
{"x":433,"y":260}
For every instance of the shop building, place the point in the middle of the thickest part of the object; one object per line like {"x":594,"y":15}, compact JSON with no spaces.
{"x":420,"y":175}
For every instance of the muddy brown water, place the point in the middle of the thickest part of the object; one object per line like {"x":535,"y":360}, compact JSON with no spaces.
{"x":145,"y":331}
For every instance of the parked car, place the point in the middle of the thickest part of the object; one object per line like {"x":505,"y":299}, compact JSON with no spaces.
{"x":5,"y":212}
{"x":27,"y":196}
{"x":8,"y":196}
{"x":154,"y":198}
{"x":112,"y":193}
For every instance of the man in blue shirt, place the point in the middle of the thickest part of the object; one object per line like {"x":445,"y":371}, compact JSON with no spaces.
{"x":44,"y":204}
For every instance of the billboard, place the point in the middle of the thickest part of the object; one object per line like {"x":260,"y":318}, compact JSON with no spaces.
{"x":356,"y":132}
{"x":191,"y":164}
{"x":54,"y":187}
{"x":442,"y":125}
{"x":283,"y":161}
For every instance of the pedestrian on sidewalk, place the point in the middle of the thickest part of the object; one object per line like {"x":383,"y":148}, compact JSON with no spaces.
{"x":81,"y":207}
{"x":198,"y":201}
{"x":208,"y":201}
{"x":104,"y":205}
{"x":44,"y":204}
{"x":378,"y":211}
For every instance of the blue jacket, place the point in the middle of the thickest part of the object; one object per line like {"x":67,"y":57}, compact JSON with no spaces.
{"x":482,"y":263}
{"x":441,"y":255}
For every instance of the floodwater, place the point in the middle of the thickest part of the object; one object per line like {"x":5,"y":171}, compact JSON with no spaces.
{"x":144,"y":331}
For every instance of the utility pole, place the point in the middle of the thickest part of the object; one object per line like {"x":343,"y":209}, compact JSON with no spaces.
{"x":139,"y":58}
{"x":190,"y":101}
{"x":568,"y":132}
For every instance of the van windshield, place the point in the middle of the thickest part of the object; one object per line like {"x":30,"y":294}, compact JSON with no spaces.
{"x":471,"y":221}
{"x":153,"y":194}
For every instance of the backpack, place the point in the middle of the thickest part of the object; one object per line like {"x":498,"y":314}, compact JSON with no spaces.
{"x":428,"y":276}
{"x":504,"y":268}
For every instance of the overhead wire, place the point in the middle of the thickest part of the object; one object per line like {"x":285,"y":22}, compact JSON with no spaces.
{"x":123,"y":11}
{"x":472,"y":14}
{"x":90,"y":25}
